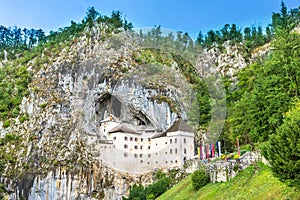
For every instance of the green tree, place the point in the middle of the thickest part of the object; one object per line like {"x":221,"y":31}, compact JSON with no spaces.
{"x":91,"y":16}
{"x":210,"y":38}
{"x":116,"y":19}
{"x":269,"y":33}
{"x":226,"y":32}
{"x":235,"y":34}
{"x":200,"y":39}
{"x":283,"y":150}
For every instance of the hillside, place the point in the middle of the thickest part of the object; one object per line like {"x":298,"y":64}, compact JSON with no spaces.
{"x":255,"y":182}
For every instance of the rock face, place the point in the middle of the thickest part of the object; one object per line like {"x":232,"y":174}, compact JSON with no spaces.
{"x":67,"y":101}
{"x":91,"y":79}
{"x":227,"y":60}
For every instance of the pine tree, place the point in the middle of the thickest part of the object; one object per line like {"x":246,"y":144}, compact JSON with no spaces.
{"x":283,"y":151}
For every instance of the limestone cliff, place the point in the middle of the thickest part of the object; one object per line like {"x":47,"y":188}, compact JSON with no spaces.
{"x":90,"y":79}
{"x":93,"y":77}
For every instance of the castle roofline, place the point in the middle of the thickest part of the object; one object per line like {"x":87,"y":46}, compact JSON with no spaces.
{"x":178,"y":125}
{"x":125,"y":128}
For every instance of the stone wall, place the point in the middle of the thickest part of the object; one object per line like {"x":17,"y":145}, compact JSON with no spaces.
{"x":223,"y":171}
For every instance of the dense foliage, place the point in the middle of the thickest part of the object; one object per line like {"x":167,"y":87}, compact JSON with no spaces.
{"x":283,"y":148}
{"x":11,"y":92}
{"x":200,"y":178}
{"x":266,"y":89}
{"x":265,"y":92}
{"x":15,"y":40}
{"x":161,"y":184}
{"x":138,"y":192}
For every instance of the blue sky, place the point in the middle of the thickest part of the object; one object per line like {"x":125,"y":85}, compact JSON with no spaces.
{"x":188,"y":16}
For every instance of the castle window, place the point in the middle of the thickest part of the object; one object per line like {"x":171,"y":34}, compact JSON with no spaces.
{"x":135,"y":139}
{"x":166,"y":162}
{"x":171,"y":151}
{"x":170,"y":141}
{"x":141,"y":155}
{"x":125,"y":138}
{"x":156,"y":162}
{"x":148,"y":163}
{"x":136,"y":147}
{"x":149,"y":155}
{"x":184,"y":150}
{"x":171,"y":161}
{"x":141,"y":147}
{"x":142,"y":139}
{"x":149,"y":139}
{"x":136,"y":155}
{"x":175,"y":140}
{"x":175,"y":151}
{"x":141,"y":161}
{"x":131,"y":138}
{"x":149,"y":147}
{"x":125,"y":154}
{"x":115,"y":138}
{"x":184,"y":140}
{"x":166,"y":142}
{"x":175,"y":161}
{"x":125,"y":146}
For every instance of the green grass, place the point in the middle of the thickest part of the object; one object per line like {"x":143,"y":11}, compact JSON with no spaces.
{"x":256,"y":182}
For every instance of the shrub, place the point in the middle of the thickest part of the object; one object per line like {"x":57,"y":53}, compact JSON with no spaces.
{"x":43,"y":105}
{"x":55,"y":163}
{"x":150,"y":196}
{"x":158,"y":187}
{"x":23,"y":118}
{"x":15,"y":111}
{"x":6,"y":124}
{"x":200,"y":178}
{"x":159,"y":175}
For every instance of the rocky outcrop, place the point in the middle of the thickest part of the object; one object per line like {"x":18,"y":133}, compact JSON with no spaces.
{"x":68,"y":98}
{"x":227,"y":60}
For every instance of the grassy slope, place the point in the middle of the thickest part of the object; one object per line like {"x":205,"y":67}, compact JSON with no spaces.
{"x":256,"y":182}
